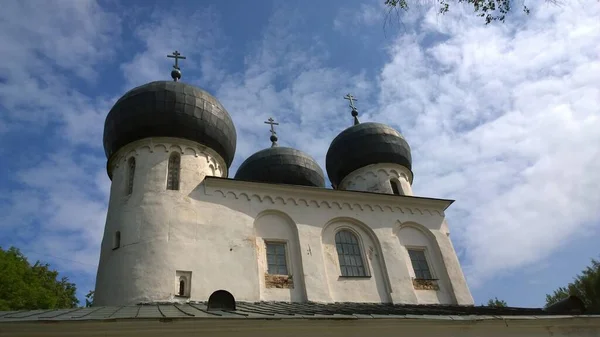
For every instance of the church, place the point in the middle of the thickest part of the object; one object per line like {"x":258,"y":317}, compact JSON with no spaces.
{"x":189,"y":249}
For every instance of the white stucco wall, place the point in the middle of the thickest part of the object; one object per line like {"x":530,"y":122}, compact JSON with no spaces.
{"x":377,"y":178}
{"x":274,"y":226}
{"x":215,"y":229}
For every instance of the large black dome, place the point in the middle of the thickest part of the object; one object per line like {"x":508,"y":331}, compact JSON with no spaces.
{"x":170,"y":109}
{"x":282,"y":165}
{"x":365,"y":144}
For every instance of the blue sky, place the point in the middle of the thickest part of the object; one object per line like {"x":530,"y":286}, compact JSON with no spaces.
{"x":502,"y":118}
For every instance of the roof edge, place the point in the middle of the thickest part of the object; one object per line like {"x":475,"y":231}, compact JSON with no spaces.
{"x":441,"y":204}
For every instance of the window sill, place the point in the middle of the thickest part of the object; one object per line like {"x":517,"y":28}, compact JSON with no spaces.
{"x":279,"y":281}
{"x":353,"y":277}
{"x":182,"y":297}
{"x":425,"y":284}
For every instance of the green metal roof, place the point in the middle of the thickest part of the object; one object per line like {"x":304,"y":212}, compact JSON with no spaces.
{"x":281,"y":310}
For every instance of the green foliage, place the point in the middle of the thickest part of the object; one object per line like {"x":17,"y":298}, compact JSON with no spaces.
{"x":89,"y":299}
{"x":586,"y":286}
{"x":490,"y":10}
{"x":495,"y":302}
{"x":28,"y":287}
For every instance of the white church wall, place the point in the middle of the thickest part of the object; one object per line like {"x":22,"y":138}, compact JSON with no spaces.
{"x":374,"y":287}
{"x":213,"y":229}
{"x":159,"y":227}
{"x":414,"y":236}
{"x":273,"y":226}
{"x":313,"y":209}
{"x":378,"y":178}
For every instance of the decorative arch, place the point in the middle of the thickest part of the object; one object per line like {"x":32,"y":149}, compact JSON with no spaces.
{"x":377,"y":275}
{"x":275,"y":212}
{"x":415,"y":237}
{"x":424,"y":230}
{"x":277,"y":238}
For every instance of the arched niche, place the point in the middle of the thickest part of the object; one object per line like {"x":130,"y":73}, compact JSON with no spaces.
{"x":373,"y":287}
{"x":414,"y":236}
{"x":221,"y":300}
{"x":277,"y":239}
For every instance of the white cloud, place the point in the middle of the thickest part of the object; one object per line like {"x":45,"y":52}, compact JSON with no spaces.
{"x":195,"y":35}
{"x":51,"y":205}
{"x":504,"y":119}
{"x":42,"y":54}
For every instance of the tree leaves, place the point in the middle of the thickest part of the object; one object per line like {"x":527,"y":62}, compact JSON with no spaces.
{"x":28,"y":287}
{"x":495,"y":302}
{"x":586,"y":286}
{"x":490,"y":10}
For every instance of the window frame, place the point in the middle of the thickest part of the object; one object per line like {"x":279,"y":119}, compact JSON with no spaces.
{"x":285,"y":244}
{"x":427,"y":261}
{"x":172,"y":155}
{"x":363,"y":259}
{"x":186,"y":278}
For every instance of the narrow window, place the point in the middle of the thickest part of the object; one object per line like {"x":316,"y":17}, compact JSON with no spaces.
{"x":130,"y":175}
{"x":419,"y":263}
{"x":349,"y":255}
{"x":181,"y":288}
{"x":276,"y":259}
{"x":396,"y":187}
{"x":183,"y":283}
{"x":117,"y":240}
{"x":173,"y":172}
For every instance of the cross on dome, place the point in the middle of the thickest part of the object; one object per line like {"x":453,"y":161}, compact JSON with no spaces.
{"x":176,"y":72}
{"x":273,"y":138}
{"x":354,"y":110}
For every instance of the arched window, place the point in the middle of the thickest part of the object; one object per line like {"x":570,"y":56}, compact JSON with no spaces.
{"x":181,"y":287}
{"x":173,"y":171}
{"x":183,"y":283}
{"x":117,"y":240}
{"x":349,"y":254}
{"x":130,"y":174}
{"x":396,"y":188}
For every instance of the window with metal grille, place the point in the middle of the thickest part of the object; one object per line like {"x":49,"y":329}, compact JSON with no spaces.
{"x":173,"y":171}
{"x":276,"y":258}
{"x":349,"y":255}
{"x":130,"y":175}
{"x":396,"y":187}
{"x":419,"y":263}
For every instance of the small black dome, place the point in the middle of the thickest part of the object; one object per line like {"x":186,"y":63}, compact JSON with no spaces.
{"x":282,"y":165}
{"x":170,"y":109}
{"x":365,"y":144}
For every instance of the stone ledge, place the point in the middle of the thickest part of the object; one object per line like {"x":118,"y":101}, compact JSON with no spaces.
{"x":425,"y":284}
{"x":279,"y":281}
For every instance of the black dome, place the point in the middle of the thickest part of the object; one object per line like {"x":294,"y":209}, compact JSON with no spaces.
{"x":365,"y":144}
{"x":282,"y":165}
{"x":170,"y":109}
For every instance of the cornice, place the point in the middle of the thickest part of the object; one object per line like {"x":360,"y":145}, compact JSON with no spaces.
{"x":315,"y":197}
